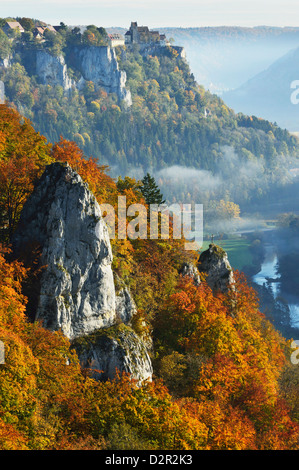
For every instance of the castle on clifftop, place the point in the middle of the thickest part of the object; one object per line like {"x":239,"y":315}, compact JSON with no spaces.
{"x":142,"y":35}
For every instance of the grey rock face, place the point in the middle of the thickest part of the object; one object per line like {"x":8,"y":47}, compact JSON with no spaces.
{"x":114,"y":349}
{"x":124,"y":302}
{"x":6,"y":63}
{"x":2,"y":92}
{"x":52,"y":70}
{"x":99,"y":65}
{"x":125,"y":305}
{"x":214,"y":262}
{"x":96,"y":64}
{"x":188,"y":269}
{"x":77,"y":293}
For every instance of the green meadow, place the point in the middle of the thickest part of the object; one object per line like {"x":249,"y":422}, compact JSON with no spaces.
{"x":237,"y":249}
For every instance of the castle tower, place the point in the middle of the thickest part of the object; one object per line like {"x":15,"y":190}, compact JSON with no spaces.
{"x":134,"y":32}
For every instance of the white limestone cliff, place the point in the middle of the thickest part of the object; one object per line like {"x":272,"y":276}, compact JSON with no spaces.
{"x":96,"y":64}
{"x":76,"y":290}
{"x":2,"y":92}
{"x":115,"y":349}
{"x":52,"y":70}
{"x":99,"y":65}
{"x":190,"y":270}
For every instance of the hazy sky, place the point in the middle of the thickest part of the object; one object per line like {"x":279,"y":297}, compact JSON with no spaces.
{"x":157,"y":13}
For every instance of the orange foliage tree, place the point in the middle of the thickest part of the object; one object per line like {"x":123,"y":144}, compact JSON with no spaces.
{"x":240,"y":358}
{"x":23,"y":156}
{"x":17,"y":373}
{"x":149,"y":410}
{"x":100,"y":183}
{"x":223,"y":365}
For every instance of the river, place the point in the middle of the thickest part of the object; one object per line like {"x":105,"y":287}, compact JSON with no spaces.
{"x":268,"y":275}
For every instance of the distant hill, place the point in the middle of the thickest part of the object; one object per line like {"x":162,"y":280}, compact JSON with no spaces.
{"x":268,"y":94}
{"x":223,"y":58}
{"x":67,"y":86}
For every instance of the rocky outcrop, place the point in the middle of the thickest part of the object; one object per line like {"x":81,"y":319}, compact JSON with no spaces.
{"x":214,"y":263}
{"x":157,"y":50}
{"x":76,"y":290}
{"x":114,"y":349}
{"x":96,"y":64}
{"x":189,"y":270}
{"x":124,"y":302}
{"x":99,"y":65}
{"x":6,"y":62}
{"x":62,"y":216}
{"x":52,"y":70}
{"x":2,"y":92}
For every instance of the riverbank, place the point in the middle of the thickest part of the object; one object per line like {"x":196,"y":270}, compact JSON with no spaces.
{"x":255,"y":254}
{"x":237,"y":249}
{"x":273,"y":302}
{"x":245,"y":249}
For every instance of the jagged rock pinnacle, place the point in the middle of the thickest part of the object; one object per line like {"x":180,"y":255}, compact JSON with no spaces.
{"x":214,"y":263}
{"x":76,"y":288}
{"x":62,"y":216}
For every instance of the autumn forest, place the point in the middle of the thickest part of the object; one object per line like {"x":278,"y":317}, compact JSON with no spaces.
{"x":222,"y":374}
{"x":223,"y":377}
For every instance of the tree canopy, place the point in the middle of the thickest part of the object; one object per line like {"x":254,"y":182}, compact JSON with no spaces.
{"x":173,"y":123}
{"x":223,"y":379}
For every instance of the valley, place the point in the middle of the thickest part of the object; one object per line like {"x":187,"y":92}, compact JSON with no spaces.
{"x":121,"y":341}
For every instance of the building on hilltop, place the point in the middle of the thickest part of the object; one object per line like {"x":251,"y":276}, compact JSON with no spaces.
{"x":12,"y":26}
{"x":50,"y":28}
{"x":39,"y":31}
{"x":116,"y":40}
{"x":163,"y":40}
{"x":142,"y":35}
{"x":128,"y":38}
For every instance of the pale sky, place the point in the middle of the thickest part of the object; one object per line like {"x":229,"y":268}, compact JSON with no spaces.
{"x":157,"y":13}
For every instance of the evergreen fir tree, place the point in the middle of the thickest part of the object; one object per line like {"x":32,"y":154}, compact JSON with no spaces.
{"x":151,"y":191}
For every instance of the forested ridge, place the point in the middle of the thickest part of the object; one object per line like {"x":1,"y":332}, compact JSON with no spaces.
{"x":222,"y":374}
{"x":172,"y":122}
{"x":223,"y":379}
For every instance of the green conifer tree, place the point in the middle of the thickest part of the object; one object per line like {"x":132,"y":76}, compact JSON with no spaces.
{"x":151,"y":191}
